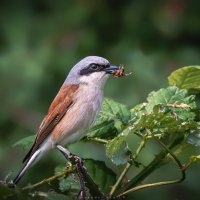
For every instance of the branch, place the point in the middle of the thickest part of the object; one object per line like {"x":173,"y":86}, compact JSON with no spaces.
{"x":127,"y":167}
{"x":93,"y":188}
{"x":98,"y":140}
{"x":119,"y":180}
{"x":153,"y":165}
{"x":67,"y":171}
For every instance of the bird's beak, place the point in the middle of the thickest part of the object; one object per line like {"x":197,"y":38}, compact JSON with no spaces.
{"x":111,"y":69}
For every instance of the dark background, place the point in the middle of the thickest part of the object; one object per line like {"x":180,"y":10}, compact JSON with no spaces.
{"x":41,"y":40}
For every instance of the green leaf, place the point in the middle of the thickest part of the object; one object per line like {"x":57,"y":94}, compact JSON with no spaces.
{"x":25,"y":142}
{"x":117,"y":150}
{"x":138,"y":110}
{"x":112,"y":110}
{"x":111,"y":120}
{"x":186,"y":78}
{"x":101,"y":174}
{"x":172,"y":97}
{"x":69,"y":183}
{"x":163,"y":121}
{"x":105,"y":129}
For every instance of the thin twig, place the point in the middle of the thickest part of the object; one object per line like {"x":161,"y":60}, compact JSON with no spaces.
{"x":127,"y":167}
{"x":149,"y":185}
{"x":98,"y":140}
{"x":163,"y":182}
{"x":66,"y":171}
{"x":141,"y":146}
{"x":119,"y":180}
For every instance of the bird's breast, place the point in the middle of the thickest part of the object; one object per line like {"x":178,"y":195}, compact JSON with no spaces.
{"x":80,"y":116}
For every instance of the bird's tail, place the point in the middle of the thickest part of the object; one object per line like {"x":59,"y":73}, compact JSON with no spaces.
{"x":26,"y":165}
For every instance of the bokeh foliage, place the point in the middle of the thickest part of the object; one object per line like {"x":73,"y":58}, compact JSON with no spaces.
{"x":41,"y":40}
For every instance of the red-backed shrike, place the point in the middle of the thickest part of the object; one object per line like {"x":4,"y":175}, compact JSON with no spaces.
{"x":73,"y":110}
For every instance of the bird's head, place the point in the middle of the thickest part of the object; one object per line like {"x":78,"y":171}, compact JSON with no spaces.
{"x":91,"y":70}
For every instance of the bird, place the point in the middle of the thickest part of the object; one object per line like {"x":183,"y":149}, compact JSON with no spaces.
{"x":73,"y":110}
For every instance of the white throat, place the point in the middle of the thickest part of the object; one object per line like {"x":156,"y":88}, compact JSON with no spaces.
{"x":96,"y":79}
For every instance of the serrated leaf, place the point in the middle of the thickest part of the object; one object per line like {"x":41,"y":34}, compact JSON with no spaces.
{"x":163,"y":121}
{"x":113,"y":110}
{"x":101,"y":174}
{"x":138,"y":110}
{"x":117,"y":150}
{"x":110,"y":120}
{"x":186,"y":78}
{"x":25,"y":142}
{"x":170,"y":97}
{"x":69,"y":183}
{"x":105,"y":129}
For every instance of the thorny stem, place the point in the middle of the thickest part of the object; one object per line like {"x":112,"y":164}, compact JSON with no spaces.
{"x":119,"y":180}
{"x":151,"y":167}
{"x":127,"y":167}
{"x":82,"y":173}
{"x":146,"y":171}
{"x":66,"y":171}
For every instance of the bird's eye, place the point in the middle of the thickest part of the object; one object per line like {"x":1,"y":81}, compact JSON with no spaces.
{"x":94,"y":66}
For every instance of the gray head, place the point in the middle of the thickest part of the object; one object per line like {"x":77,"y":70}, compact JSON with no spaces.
{"x":90,"y":70}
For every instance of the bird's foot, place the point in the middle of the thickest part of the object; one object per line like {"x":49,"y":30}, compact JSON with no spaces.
{"x":7,"y":183}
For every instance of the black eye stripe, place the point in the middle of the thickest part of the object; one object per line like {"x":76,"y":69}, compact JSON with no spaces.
{"x":107,"y":66}
{"x":93,"y":67}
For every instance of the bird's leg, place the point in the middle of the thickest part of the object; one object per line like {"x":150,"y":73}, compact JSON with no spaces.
{"x":67,"y":154}
{"x":81,"y":171}
{"x":64,"y":151}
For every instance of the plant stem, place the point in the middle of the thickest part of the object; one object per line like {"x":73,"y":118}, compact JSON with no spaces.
{"x":66,"y":171}
{"x":162,"y":182}
{"x":119,"y":180}
{"x":141,"y":146}
{"x":99,"y":140}
{"x":139,"y":187}
{"x":127,"y":167}
{"x":94,"y":190}
{"x":146,"y":171}
{"x":154,"y":164}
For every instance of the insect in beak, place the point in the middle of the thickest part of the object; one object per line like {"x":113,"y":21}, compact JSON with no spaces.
{"x":117,"y":71}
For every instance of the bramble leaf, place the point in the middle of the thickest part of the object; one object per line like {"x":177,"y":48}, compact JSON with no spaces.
{"x":117,"y":150}
{"x":111,"y":120}
{"x":186,"y":78}
{"x":163,"y":121}
{"x":175,"y":99}
{"x":112,"y":110}
{"x":25,"y":142}
{"x":101,"y":174}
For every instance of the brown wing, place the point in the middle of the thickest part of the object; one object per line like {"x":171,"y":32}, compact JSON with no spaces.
{"x":57,"y":109}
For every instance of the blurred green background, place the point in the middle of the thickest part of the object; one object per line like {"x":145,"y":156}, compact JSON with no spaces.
{"x":41,"y":40}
